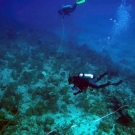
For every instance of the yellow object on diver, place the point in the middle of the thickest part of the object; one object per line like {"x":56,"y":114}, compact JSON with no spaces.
{"x":80,"y":1}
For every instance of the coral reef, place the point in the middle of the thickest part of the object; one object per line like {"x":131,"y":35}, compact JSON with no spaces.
{"x":35,"y":97}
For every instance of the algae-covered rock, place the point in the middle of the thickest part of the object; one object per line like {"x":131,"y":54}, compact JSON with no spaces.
{"x":11,"y":88}
{"x":7,"y":125}
{"x":30,"y":111}
{"x":40,"y":75}
{"x":131,"y":114}
{"x":47,"y":128}
{"x":27,"y":77}
{"x":2,"y":116}
{"x":64,"y":90}
{"x":64,"y":107}
{"x":132,"y":131}
{"x":104,"y":126}
{"x":49,"y":120}
{"x":127,"y":118}
{"x":52,"y":105}
{"x":40,"y":108}
{"x":7,"y":103}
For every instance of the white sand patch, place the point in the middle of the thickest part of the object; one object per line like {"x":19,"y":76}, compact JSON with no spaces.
{"x":5,"y":76}
{"x":80,"y":122}
{"x":26,"y":98}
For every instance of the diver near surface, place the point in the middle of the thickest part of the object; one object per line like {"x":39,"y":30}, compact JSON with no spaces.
{"x":84,"y":81}
{"x":68,"y":9}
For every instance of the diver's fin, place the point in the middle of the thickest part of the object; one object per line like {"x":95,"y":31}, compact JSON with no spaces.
{"x":80,"y":1}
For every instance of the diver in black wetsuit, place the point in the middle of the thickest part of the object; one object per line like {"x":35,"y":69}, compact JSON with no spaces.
{"x":68,"y":9}
{"x":84,"y":81}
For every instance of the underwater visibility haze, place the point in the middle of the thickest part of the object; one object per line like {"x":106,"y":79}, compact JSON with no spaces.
{"x":67,"y":67}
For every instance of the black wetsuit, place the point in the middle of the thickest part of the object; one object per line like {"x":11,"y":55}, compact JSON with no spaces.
{"x":85,"y":82}
{"x":66,"y":10}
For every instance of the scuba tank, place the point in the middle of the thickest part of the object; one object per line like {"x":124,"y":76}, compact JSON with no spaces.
{"x":86,"y":75}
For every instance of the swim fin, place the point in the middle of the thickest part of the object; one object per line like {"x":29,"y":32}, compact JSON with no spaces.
{"x":80,"y":1}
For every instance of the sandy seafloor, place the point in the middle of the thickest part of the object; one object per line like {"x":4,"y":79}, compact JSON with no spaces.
{"x":35,"y":98}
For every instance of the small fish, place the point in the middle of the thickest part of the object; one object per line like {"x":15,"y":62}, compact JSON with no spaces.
{"x":73,"y":126}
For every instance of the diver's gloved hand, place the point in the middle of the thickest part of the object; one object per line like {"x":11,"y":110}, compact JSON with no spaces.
{"x":77,"y":93}
{"x":76,"y":90}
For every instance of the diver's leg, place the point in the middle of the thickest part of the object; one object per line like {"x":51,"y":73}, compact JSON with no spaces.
{"x":74,"y":7}
{"x":63,"y":15}
{"x":117,"y":83}
{"x":104,"y":85}
{"x":110,"y":83}
{"x":95,"y":86}
{"x":101,"y":76}
{"x":92,"y":83}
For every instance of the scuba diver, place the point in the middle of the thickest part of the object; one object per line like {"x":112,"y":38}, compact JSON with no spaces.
{"x":67,"y":9}
{"x":84,"y":81}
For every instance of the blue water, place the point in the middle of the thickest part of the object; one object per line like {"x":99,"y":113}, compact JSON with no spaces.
{"x":103,"y":22}
{"x":38,"y":50}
